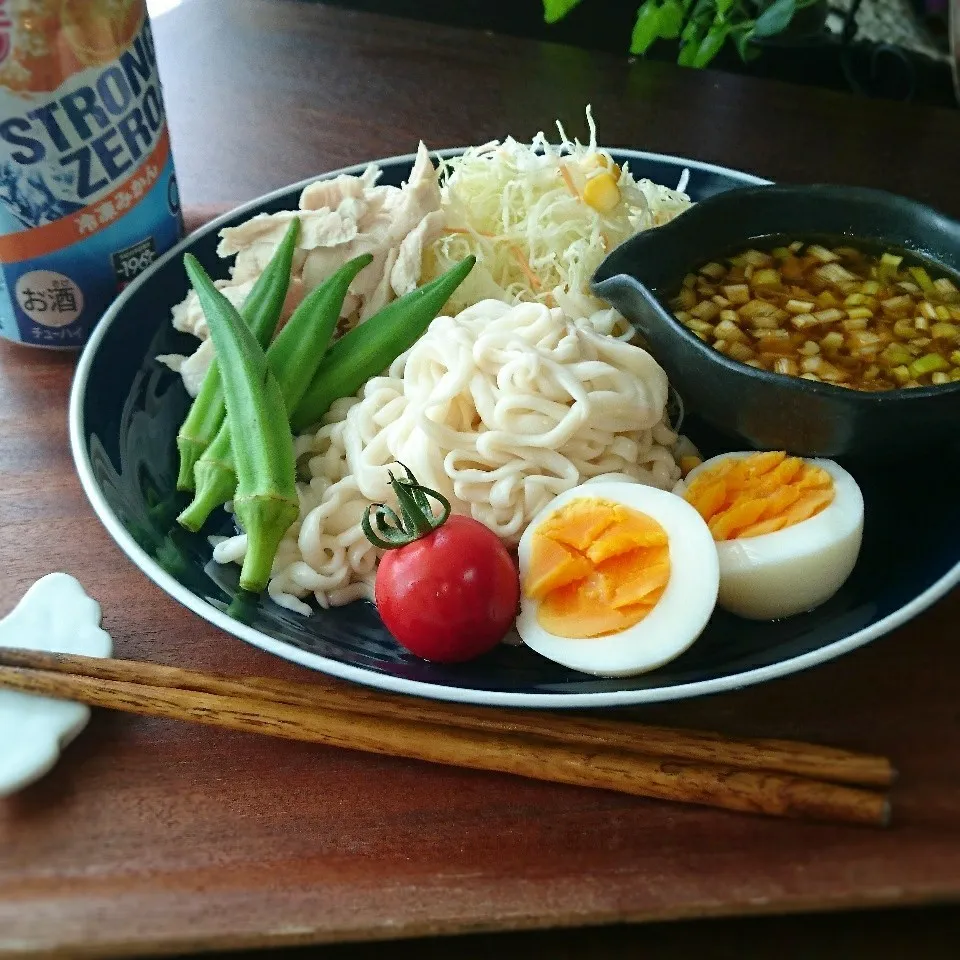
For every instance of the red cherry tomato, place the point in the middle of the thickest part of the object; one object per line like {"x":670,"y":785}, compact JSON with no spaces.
{"x":451,"y":595}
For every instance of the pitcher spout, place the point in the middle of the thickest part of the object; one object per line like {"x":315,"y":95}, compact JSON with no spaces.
{"x":640,"y":305}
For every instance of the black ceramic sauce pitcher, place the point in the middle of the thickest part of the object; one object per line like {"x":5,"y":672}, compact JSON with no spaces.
{"x":764,"y":410}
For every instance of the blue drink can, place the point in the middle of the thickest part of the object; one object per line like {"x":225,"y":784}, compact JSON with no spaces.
{"x":88,"y":194}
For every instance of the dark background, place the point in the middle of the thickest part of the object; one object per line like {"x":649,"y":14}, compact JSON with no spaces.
{"x":865,"y":68}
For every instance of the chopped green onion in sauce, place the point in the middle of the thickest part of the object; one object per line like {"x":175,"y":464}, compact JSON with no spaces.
{"x":837,"y":315}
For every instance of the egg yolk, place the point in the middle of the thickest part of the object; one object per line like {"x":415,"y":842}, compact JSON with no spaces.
{"x":596,"y":568}
{"x":759,"y":494}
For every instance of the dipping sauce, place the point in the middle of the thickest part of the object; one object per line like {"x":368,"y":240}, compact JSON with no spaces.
{"x":834,"y":314}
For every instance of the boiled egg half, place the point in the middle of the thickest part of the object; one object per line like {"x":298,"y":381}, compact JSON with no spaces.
{"x":617,"y":578}
{"x":788,"y":531}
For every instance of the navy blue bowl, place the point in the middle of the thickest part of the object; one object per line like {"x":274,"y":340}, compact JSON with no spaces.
{"x":771,"y":411}
{"x":125,"y":412}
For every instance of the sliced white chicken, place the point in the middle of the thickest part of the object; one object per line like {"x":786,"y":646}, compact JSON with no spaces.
{"x":193,"y":368}
{"x":405,"y":273}
{"x":188,"y":315}
{"x":330,"y":193}
{"x":380,"y":296}
{"x":340,"y":219}
{"x":421,"y":193}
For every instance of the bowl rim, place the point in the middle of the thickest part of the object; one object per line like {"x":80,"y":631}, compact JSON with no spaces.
{"x":370,"y":678}
{"x":782,"y":381}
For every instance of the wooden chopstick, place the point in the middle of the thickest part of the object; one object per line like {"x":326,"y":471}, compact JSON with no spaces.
{"x":610,"y":769}
{"x":776,"y":756}
{"x":725,"y":787}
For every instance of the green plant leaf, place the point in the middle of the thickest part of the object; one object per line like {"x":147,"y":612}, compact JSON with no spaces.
{"x":554,"y":10}
{"x":747,"y":50}
{"x":693,"y":33}
{"x":702,"y":10}
{"x":775,"y":19}
{"x":687,"y":52}
{"x":723,"y":7}
{"x":710,"y":45}
{"x":647,"y":27}
{"x":699,"y":20}
{"x":671,"y":19}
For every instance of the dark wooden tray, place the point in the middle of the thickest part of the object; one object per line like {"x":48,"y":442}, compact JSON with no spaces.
{"x":157,"y":837}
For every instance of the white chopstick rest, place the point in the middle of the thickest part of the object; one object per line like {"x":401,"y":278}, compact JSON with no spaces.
{"x":56,"y":615}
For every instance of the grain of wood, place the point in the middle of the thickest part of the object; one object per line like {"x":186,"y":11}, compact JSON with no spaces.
{"x":728,"y":788}
{"x":154,"y":836}
{"x":676,"y":743}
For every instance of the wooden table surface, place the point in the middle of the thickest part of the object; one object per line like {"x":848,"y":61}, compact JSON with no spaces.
{"x":157,"y":837}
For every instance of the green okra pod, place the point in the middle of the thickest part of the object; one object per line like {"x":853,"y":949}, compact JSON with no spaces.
{"x":294,"y":358}
{"x":266,"y":501}
{"x":371,"y":347}
{"x":261,"y":311}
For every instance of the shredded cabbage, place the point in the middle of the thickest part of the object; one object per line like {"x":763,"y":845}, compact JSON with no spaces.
{"x":519,"y":209}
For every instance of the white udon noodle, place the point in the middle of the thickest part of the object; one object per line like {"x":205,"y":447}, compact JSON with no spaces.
{"x":500,"y":408}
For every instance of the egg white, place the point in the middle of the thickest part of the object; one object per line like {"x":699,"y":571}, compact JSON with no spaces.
{"x":796,"y":569}
{"x":677,"y":619}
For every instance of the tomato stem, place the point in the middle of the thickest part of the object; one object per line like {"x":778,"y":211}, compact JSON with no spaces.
{"x":384,"y":529}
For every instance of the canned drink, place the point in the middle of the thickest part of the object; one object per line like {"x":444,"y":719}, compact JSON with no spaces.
{"x":88,"y":194}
